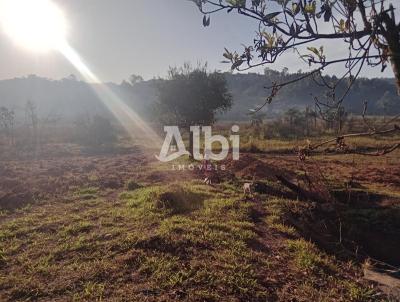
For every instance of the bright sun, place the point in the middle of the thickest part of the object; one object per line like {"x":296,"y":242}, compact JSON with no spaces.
{"x":38,"y":25}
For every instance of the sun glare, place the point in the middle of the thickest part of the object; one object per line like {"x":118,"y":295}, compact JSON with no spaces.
{"x":38,"y":25}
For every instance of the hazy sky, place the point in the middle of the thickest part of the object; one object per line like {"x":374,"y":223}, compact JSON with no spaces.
{"x":117,"y":38}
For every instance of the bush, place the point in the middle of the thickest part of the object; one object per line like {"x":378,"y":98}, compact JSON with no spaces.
{"x":174,"y":199}
{"x":251,"y":147}
{"x":95,"y":132}
{"x":132,"y":185}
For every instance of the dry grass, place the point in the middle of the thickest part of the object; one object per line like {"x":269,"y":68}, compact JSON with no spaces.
{"x":157,"y":235}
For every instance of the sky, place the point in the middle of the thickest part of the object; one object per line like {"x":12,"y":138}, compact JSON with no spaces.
{"x":117,"y":38}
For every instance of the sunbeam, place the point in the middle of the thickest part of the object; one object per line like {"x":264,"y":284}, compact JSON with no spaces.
{"x":127,"y":117}
{"x":40,"y":26}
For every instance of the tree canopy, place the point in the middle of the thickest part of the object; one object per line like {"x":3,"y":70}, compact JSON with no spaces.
{"x":368,"y":29}
{"x":192,"y":96}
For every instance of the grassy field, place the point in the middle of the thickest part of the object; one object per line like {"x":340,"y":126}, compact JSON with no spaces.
{"x":123,"y":227}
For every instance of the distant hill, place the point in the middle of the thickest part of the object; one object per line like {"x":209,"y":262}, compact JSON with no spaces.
{"x":248,"y":91}
{"x":69,"y":98}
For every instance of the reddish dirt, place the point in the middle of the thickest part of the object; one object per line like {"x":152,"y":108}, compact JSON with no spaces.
{"x":381,"y":172}
{"x":53,"y":175}
{"x":25,"y":181}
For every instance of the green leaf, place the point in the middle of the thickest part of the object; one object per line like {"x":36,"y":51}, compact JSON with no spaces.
{"x":319,"y":53}
{"x":270,"y":39}
{"x":314,"y":50}
{"x":270,"y":16}
{"x":237,"y":3}
{"x":311,"y":8}
{"x":295,"y":8}
{"x":228,"y":55}
{"x":237,"y":64}
{"x":342,"y":26}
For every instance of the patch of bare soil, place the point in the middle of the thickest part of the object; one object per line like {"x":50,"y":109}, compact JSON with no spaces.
{"x":53,"y":175}
{"x":256,"y":167}
{"x":365,"y":222}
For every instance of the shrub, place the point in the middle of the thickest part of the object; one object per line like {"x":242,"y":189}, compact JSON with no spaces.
{"x":175,"y":199}
{"x":132,"y":185}
{"x":95,"y":132}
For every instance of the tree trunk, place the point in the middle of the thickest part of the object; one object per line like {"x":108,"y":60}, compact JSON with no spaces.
{"x":395,"y":61}
{"x":191,"y":144}
{"x":307,"y":122}
{"x":392,"y":36}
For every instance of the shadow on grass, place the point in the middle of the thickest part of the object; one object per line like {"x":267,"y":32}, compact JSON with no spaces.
{"x":355,"y":227}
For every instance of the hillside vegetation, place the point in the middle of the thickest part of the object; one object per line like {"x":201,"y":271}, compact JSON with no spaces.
{"x":69,"y":98}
